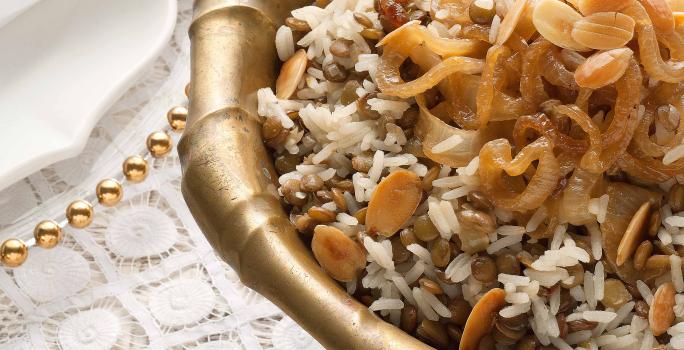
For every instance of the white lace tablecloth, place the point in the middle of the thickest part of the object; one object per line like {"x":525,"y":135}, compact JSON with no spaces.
{"x":142,"y":276}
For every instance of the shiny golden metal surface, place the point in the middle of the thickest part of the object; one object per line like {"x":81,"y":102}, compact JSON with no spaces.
{"x":47,"y":234}
{"x":177,"y":116}
{"x":13,"y":252}
{"x":229,"y":182}
{"x":79,"y":213}
{"x":109,"y":192}
{"x":159,"y":143}
{"x":135,"y":169}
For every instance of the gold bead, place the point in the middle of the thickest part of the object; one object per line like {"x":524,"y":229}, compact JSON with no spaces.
{"x":187,"y":90}
{"x":177,"y":117}
{"x":47,"y":234}
{"x":159,"y":143}
{"x":135,"y":169}
{"x":109,"y":192}
{"x":79,"y":214}
{"x":13,"y":252}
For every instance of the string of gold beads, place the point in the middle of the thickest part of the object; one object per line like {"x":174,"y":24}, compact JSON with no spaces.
{"x":108,"y":192}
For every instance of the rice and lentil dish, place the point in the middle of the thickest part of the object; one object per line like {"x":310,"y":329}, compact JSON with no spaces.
{"x":491,"y":174}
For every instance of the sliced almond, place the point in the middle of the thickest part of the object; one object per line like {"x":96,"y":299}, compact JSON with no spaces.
{"x":291,"y":74}
{"x":510,"y":22}
{"x":393,"y":202}
{"x":661,"y":15}
{"x":554,"y":20}
{"x":604,"y":30}
{"x":634,"y":234}
{"x":661,"y":314}
{"x":338,"y":254}
{"x":587,"y":7}
{"x":481,"y":318}
{"x":603,"y":68}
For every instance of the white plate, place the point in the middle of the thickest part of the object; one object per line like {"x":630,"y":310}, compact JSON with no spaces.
{"x":62,"y":64}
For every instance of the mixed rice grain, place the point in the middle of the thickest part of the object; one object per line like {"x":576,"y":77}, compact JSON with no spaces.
{"x":490,"y":173}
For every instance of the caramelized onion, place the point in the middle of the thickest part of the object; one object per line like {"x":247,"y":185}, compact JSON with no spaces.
{"x":432,"y":130}
{"x":574,"y":204}
{"x":398,"y":46}
{"x":496,"y":158}
{"x":670,"y":71}
{"x":624,"y":201}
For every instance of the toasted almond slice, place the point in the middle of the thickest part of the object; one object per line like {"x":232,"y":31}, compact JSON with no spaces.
{"x":661,"y":315}
{"x":291,"y":74}
{"x":554,"y":20}
{"x":338,"y":254}
{"x":510,"y":21}
{"x":603,"y":68}
{"x":587,"y":7}
{"x":604,"y":30}
{"x":393,"y":202}
{"x":661,"y":15}
{"x":633,"y":234}
{"x":481,"y":318}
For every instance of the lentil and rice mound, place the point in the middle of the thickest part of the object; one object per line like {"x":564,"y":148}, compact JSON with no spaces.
{"x":491,"y":174}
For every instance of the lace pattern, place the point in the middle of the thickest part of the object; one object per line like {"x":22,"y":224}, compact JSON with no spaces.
{"x":142,"y":276}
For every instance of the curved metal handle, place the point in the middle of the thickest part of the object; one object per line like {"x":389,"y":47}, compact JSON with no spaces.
{"x":229,"y":182}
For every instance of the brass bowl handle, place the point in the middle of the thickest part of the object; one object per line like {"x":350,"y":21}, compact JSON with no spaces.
{"x":229,"y":182}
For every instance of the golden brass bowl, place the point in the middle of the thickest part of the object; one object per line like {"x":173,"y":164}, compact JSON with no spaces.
{"x":229,"y":182}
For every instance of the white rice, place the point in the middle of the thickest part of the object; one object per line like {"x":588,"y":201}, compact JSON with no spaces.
{"x":676,"y":272}
{"x":621,"y":314}
{"x":448,"y":182}
{"x":589,"y":290}
{"x":450,"y":217}
{"x":437,"y":217}
{"x":599,"y":279}
{"x":595,"y":237}
{"x":347,"y":219}
{"x":386,"y":304}
{"x":645,"y":292}
{"x":558,"y":236}
{"x":422,"y":253}
{"x":675,"y":221}
{"x":638,"y":324}
{"x":536,"y":219}
{"x":494,"y":29}
{"x":560,"y":344}
{"x":504,"y":242}
{"x":517,"y":298}
{"x":457,"y":193}
{"x":605,"y":339}
{"x":577,"y":337}
{"x":648,"y":340}
{"x":677,"y":342}
{"x":515,"y":310}
{"x":547,"y":278}
{"x":415,"y":272}
{"x":510,"y":230}
{"x":578,"y":293}
{"x":404,"y":289}
{"x":599,"y":316}
{"x":448,"y":144}
{"x":673,"y":155}
{"x":378,"y":253}
{"x":435,"y":304}
{"x":423,"y":306}
{"x":459,"y":269}
{"x":514,"y":280}
{"x":284,"y":43}
{"x":554,"y":301}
